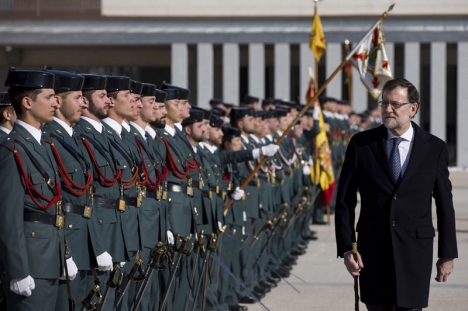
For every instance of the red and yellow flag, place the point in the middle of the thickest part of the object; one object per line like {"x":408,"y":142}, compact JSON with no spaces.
{"x":317,"y":41}
{"x":322,"y":171}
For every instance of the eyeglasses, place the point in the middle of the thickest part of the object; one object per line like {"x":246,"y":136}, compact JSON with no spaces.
{"x":395,"y":105}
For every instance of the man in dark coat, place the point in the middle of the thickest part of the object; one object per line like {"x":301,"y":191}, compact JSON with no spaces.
{"x":397,"y":168}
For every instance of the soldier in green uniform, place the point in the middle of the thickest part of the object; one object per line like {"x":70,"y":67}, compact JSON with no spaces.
{"x":29,"y":207}
{"x":106,"y":187}
{"x":75,"y":169}
{"x":7,"y":116}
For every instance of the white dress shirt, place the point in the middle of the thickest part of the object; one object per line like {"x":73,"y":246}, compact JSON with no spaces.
{"x":404,"y":147}
{"x":139,"y":129}
{"x":36,"y":133}
{"x":170,"y":130}
{"x":151,"y":131}
{"x":126,"y":126}
{"x":97,"y":125}
{"x":67,"y":127}
{"x":113,"y":124}
{"x":5,"y":129}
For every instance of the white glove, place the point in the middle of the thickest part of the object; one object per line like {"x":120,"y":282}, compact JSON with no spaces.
{"x":170,"y":237}
{"x":306,"y":170}
{"x":270,"y":150}
{"x":243,"y":230}
{"x":311,"y":162}
{"x":72,"y":270}
{"x":104,"y":262}
{"x":260,"y":206}
{"x":122,"y":264}
{"x":22,"y":286}
{"x":220,"y":225}
{"x":244,"y":214}
{"x":237,"y":194}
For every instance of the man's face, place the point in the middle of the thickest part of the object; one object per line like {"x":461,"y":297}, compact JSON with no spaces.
{"x":283,"y":122}
{"x":259,"y":127}
{"x":198,"y":131}
{"x":184,"y":107}
{"x":294,"y":114}
{"x":161,"y":114}
{"x":273,"y":125}
{"x":72,"y":106}
{"x":100,"y":104}
{"x":148,"y":109}
{"x":216,"y":136}
{"x":397,"y":120}
{"x":248,"y":125}
{"x":136,"y":106}
{"x":173,"y":110}
{"x":123,"y":104}
{"x":207,"y":129}
{"x":43,"y":108}
{"x":236,"y":144}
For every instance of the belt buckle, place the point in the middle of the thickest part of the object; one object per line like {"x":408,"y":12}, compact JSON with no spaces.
{"x":59,"y":221}
{"x":139,"y":199}
{"x":257,"y":182}
{"x":190,"y":191}
{"x":223,"y":195}
{"x":121,"y":206}
{"x":210,"y":195}
{"x":217,"y":189}
{"x":87,"y":212}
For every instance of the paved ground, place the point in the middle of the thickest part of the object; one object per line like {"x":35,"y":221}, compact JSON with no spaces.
{"x":328,"y":286}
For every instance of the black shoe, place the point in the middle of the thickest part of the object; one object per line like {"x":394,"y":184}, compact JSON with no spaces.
{"x":292,"y":257}
{"x":283,"y":273}
{"x":301,"y":246}
{"x":259,"y":295}
{"x":238,"y":308}
{"x":274,"y":279}
{"x":310,"y":238}
{"x":261,"y":289}
{"x":286,"y":268}
{"x":247,"y":300}
{"x":319,"y":222}
{"x":289,"y":262}
{"x":299,"y":252}
{"x":267,"y":284}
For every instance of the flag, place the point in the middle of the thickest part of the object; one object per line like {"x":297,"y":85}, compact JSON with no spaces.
{"x":317,"y":38}
{"x":322,"y":170}
{"x":372,"y":63}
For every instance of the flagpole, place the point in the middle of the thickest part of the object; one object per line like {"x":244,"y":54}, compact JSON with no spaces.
{"x":349,"y":76}
{"x":310,"y":103}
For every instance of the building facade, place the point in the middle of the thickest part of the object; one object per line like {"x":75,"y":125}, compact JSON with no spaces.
{"x":226,"y":49}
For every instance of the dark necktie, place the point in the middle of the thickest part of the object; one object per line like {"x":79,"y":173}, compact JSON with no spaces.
{"x":395,"y":159}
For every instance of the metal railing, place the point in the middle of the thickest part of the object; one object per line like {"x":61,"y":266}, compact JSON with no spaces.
{"x":40,"y":7}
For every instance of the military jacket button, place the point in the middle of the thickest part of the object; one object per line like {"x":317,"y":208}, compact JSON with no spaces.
{"x":33,"y":233}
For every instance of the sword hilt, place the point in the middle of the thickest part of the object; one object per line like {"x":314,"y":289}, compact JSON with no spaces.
{"x":115,"y":279}
{"x":187,"y":251}
{"x":88,"y":301}
{"x":139,"y":267}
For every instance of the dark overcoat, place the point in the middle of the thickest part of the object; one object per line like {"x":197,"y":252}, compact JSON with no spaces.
{"x":395,"y":229}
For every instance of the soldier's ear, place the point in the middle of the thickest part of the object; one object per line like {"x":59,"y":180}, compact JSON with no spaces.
{"x":26,"y":103}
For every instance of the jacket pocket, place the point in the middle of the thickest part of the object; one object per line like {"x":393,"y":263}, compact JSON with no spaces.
{"x":425,"y":232}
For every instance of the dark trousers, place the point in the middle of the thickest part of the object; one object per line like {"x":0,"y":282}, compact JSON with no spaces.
{"x":388,"y":307}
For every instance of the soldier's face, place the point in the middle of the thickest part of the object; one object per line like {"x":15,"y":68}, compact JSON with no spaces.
{"x":259,"y":127}
{"x":148,"y":109}
{"x":216,"y":136}
{"x":72,"y":107}
{"x":135,"y":99}
{"x":43,"y":108}
{"x":198,"y":131}
{"x":123,"y":104}
{"x":236,"y":144}
{"x":161,"y":114}
{"x":398,"y":120}
{"x":173,"y":110}
{"x":100,"y":104}
{"x":248,"y":124}
{"x":283,"y":122}
{"x":273,"y":125}
{"x":184,"y":107}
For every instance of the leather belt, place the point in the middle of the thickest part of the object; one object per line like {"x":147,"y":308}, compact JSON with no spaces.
{"x":130,"y":201}
{"x":254,"y":183}
{"x":195,"y":184}
{"x":264,"y":178}
{"x":39,"y":217}
{"x":176,"y":188}
{"x":106,"y":203}
{"x":207,"y":194}
{"x":151,"y":194}
{"x":82,"y":210}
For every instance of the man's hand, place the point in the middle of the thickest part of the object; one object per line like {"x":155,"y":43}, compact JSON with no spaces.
{"x":444,"y":268}
{"x":353,"y":266}
{"x":22,"y":286}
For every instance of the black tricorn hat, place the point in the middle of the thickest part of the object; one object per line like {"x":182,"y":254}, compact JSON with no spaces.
{"x":240,"y":112}
{"x":94,"y":82}
{"x":231,"y":131}
{"x":195,"y":116}
{"x":4,"y":99}
{"x":216,"y":121}
{"x":258,"y":114}
{"x":33,"y":79}
{"x":148,"y":89}
{"x":66,"y":81}
{"x":136,"y":87}
{"x":219,"y":111}
{"x":183,"y":92}
{"x":161,"y":96}
{"x":171,"y":94}
{"x":215,"y":101}
{"x":117,"y":83}
{"x":251,"y":99}
{"x":280,"y":112}
{"x":268,"y":102}
{"x":271,"y":114}
{"x":206,"y":113}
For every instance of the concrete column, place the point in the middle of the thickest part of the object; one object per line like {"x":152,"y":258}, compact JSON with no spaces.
{"x":462,"y":107}
{"x":413,"y":68}
{"x":333,"y":60}
{"x":306,"y":61}
{"x":179,"y":64}
{"x":282,"y":71}
{"x":231,"y":73}
{"x":438,"y":89}
{"x":257,"y":70}
{"x":205,"y":74}
{"x":359,"y":97}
